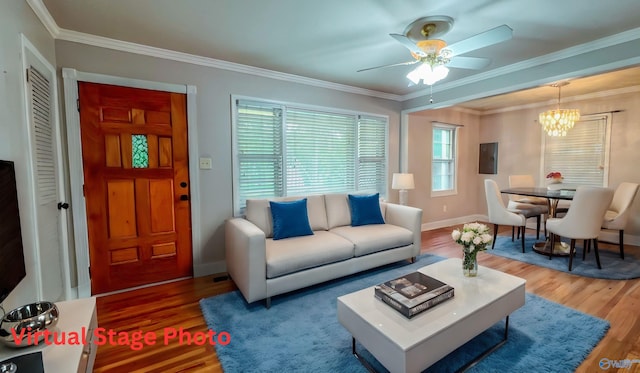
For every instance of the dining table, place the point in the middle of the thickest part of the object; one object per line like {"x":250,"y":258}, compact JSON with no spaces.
{"x":553,"y":196}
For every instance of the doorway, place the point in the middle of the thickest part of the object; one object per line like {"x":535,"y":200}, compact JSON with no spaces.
{"x":136,"y":185}
{"x":72,"y":78}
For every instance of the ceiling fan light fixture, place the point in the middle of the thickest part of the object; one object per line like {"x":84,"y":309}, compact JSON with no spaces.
{"x":431,"y":46}
{"x":558,"y":122}
{"x":431,"y":27}
{"x":428,"y":74}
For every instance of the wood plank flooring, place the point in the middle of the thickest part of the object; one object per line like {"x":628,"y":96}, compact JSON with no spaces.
{"x":163,"y":308}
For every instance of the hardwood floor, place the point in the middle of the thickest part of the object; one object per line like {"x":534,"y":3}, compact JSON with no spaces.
{"x":164,"y":308}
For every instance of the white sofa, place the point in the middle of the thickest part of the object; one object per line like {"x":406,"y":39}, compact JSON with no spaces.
{"x":262,"y":267}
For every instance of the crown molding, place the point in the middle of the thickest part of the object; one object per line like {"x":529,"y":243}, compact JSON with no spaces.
{"x":465,"y":110}
{"x":45,"y":17}
{"x":591,"y":46}
{"x":588,"y":96}
{"x":141,"y":49}
{"x":145,"y":50}
{"x":56,"y":32}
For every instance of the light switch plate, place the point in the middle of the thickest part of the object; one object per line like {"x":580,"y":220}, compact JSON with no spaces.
{"x":205,"y":163}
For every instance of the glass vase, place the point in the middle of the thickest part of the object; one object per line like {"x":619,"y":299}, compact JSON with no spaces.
{"x":470,"y":263}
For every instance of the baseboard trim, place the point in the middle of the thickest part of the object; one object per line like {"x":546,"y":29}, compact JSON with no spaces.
{"x":455,"y":221}
{"x":605,"y":236}
{"x":206,"y":269}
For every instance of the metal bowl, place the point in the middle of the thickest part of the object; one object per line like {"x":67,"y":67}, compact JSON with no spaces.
{"x":32,"y":318}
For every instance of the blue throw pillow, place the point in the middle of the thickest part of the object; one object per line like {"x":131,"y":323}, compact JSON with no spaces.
{"x":365,"y":209}
{"x":290,"y":219}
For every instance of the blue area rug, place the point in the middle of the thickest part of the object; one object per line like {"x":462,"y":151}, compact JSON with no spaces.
{"x":301,"y":332}
{"x":613,"y":267}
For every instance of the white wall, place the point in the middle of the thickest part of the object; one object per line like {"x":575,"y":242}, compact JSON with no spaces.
{"x":444,"y":210}
{"x":16,"y":17}
{"x":214,"y":89}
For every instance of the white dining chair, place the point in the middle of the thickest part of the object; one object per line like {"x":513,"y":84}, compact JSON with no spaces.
{"x":617,"y":215}
{"x":583,"y":220}
{"x":500,"y":215}
{"x":520,"y":202}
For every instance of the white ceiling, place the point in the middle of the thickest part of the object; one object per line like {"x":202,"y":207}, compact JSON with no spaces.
{"x":330,"y":40}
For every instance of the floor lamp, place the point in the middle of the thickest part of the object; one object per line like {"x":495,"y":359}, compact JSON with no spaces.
{"x":403,"y":182}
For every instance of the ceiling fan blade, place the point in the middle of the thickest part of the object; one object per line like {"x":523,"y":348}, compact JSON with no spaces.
{"x":481,"y":40}
{"x":395,"y":64}
{"x":471,"y":63}
{"x":409,"y":44}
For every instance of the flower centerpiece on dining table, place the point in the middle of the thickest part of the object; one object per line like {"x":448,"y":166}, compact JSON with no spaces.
{"x":554,"y":177}
{"x":474,"y":237}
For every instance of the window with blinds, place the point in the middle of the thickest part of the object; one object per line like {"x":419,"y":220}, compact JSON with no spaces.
{"x":288,"y":150}
{"x":583,"y":155}
{"x":443,"y":158}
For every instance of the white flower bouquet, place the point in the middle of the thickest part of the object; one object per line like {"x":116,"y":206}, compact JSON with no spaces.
{"x":473,"y":237}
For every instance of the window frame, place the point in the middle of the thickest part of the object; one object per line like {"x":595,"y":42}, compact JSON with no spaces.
{"x":454,"y":154}
{"x":238,"y":208}
{"x":606,"y":146}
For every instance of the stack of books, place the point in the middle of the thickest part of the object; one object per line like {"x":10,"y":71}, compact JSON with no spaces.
{"x":413,"y":293}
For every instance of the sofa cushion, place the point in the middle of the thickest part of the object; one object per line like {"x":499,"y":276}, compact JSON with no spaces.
{"x":316,"y":210}
{"x":299,"y":253}
{"x":365,"y":209}
{"x":373,"y":238}
{"x":290,"y":219}
{"x":258,"y":212}
{"x":338,"y":212}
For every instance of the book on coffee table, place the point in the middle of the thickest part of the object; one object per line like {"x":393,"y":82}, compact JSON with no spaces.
{"x":413,"y":293}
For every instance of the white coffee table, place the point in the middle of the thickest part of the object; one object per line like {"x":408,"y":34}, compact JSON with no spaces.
{"x":412,"y":345}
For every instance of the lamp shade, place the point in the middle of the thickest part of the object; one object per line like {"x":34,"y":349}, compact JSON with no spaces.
{"x":402,"y":181}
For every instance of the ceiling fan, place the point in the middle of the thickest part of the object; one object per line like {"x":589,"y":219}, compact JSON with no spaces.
{"x":422,"y":38}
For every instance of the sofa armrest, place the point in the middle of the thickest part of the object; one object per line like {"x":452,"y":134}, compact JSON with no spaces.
{"x":246,"y":257}
{"x":407,"y":217}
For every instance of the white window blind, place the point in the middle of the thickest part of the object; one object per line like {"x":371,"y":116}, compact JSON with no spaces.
{"x":287,"y":151}
{"x":320,"y":152}
{"x":582,"y":155}
{"x":443,"y":159}
{"x":372,"y":154}
{"x":259,"y":149}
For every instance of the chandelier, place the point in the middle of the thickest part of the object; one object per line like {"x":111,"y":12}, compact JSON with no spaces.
{"x":432,"y":65}
{"x":557,"y":122}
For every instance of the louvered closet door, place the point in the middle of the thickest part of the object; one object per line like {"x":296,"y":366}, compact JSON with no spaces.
{"x":47,"y":221}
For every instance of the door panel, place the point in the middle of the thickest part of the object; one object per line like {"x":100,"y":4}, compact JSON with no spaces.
{"x":134,"y":147}
{"x":46,"y":170}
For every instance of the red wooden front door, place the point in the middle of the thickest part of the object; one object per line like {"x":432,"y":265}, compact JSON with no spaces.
{"x":136,"y":185}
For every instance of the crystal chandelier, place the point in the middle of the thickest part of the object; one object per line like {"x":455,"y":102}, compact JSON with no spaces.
{"x":432,"y":66}
{"x":557,"y":122}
